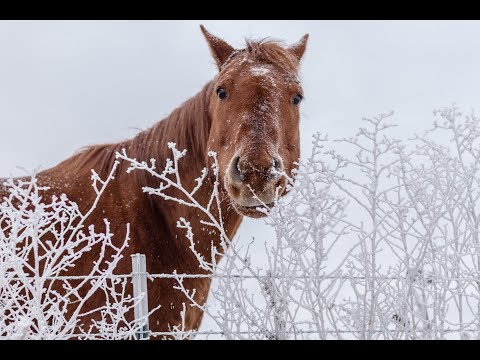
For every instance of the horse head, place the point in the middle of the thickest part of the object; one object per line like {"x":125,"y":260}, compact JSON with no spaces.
{"x":255,"y":115}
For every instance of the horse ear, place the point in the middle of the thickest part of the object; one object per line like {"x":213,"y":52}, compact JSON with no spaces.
{"x":221,"y":51}
{"x":298,"y":49}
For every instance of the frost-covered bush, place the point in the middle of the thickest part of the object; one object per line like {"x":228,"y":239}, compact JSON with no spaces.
{"x":377,"y":239}
{"x":40,"y":240}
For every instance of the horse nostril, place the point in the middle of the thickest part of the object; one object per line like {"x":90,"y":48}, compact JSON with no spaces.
{"x":277,"y":168}
{"x":277,"y":164}
{"x":235,"y":171}
{"x":237,"y":165}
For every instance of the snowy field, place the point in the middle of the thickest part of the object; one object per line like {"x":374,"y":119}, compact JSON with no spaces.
{"x":68,"y":84}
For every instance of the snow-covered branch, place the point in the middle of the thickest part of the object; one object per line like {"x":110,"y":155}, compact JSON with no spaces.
{"x":377,"y":238}
{"x":41,"y":239}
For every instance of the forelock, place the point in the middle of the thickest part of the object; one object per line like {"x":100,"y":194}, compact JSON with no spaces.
{"x":266,"y":51}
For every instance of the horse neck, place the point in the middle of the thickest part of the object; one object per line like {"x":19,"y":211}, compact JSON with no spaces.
{"x":188,"y":127}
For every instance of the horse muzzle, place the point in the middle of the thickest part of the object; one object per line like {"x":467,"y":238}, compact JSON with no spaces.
{"x":254,"y":183}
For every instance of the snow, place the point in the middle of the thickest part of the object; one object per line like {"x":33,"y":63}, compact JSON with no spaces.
{"x":260,"y":70}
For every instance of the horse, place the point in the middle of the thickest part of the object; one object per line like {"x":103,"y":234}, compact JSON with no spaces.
{"x":249,"y":115}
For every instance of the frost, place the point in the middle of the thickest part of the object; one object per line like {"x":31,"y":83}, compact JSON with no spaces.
{"x":376,"y":242}
{"x":260,"y":70}
{"x":39,"y":242}
{"x":377,"y":239}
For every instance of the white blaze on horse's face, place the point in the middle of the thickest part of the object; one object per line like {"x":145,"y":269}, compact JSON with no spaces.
{"x":254,"y":109}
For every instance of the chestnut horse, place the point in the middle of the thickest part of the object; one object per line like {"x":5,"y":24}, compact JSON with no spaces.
{"x":249,"y":114}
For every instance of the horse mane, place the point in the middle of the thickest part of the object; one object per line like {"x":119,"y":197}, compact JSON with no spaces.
{"x":188,"y":126}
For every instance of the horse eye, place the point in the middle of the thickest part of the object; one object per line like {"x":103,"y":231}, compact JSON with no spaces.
{"x":297,"y":99}
{"x":222,"y":94}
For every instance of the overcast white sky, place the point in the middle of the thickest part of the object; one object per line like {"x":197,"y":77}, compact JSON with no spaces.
{"x":65,"y":84}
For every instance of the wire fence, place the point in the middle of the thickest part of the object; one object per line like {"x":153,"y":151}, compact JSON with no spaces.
{"x":139,"y":278}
